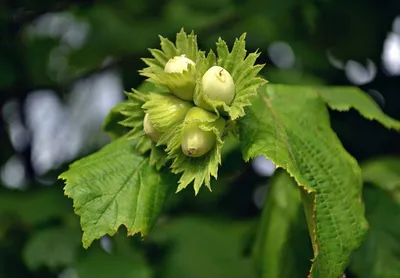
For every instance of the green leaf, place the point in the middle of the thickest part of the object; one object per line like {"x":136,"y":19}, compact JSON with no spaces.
{"x":290,"y":125}
{"x":384,"y":172}
{"x":344,"y":98}
{"x":282,"y":248}
{"x":122,"y":262}
{"x":114,"y":187}
{"x":379,"y":256}
{"x":202,"y":248}
{"x":52,"y":248}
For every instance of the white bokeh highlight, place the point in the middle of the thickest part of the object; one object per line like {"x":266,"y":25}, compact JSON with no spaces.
{"x":281,"y":54}
{"x":13,"y":173}
{"x":59,"y":132}
{"x":391,"y":54}
{"x":359,"y":74}
{"x":262,"y":166}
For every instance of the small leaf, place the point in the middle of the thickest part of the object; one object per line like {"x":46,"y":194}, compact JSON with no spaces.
{"x":114,"y":187}
{"x":379,"y":255}
{"x":187,"y":44}
{"x":282,"y":248}
{"x":53,"y":248}
{"x":344,"y":98}
{"x":290,"y":125}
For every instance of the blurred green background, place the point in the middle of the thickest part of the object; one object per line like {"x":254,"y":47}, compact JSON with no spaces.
{"x":64,"y":64}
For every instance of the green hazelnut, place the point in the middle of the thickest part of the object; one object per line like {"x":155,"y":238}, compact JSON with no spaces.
{"x":149,"y":129}
{"x":196,"y":142}
{"x":185,"y":85}
{"x":218,"y":85}
{"x":165,"y":110}
{"x":178,"y":64}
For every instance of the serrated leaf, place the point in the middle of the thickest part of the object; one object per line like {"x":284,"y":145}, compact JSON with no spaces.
{"x":384,"y":172}
{"x":114,"y":187}
{"x":158,"y":157}
{"x":243,"y":71}
{"x":344,"y":98}
{"x":379,"y":255}
{"x":53,"y":248}
{"x":187,"y":44}
{"x":290,"y":125}
{"x":282,"y":248}
{"x":132,"y":110}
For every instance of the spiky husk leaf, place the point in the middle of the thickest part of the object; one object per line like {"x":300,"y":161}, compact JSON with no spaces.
{"x":134,"y":115}
{"x":185,"y":45}
{"x":165,"y":111}
{"x":243,"y":72}
{"x":195,"y":169}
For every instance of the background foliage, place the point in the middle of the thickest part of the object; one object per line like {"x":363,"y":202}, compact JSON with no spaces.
{"x":63,"y":65}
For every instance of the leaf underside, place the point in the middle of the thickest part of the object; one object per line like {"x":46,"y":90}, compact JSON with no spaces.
{"x":290,"y":125}
{"x":344,"y":98}
{"x":114,"y":187}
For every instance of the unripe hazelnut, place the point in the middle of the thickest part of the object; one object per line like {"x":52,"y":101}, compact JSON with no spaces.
{"x":149,"y":129}
{"x":178,"y":64}
{"x":196,"y":142}
{"x":185,"y":86}
{"x":165,"y":110}
{"x":218,"y":85}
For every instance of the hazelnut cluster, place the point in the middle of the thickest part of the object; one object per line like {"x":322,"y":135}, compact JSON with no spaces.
{"x":217,"y":84}
{"x":194,"y":101}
